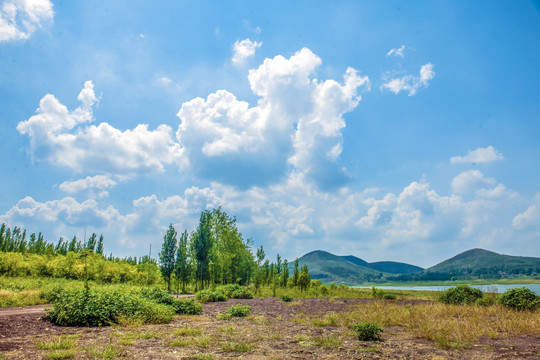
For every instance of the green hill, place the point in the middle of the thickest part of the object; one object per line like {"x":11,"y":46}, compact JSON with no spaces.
{"x":395,"y":267}
{"x":350,"y":269}
{"x":480,"y":261}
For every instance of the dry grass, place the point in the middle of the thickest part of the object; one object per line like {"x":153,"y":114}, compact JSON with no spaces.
{"x":450,"y":326}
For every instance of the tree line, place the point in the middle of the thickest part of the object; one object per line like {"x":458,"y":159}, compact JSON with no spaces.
{"x":15,"y":240}
{"x":215,"y":253}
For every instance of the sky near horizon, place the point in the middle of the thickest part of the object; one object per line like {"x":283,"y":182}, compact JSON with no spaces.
{"x":405,"y":131}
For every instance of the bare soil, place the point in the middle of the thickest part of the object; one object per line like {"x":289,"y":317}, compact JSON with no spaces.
{"x":274,"y":330}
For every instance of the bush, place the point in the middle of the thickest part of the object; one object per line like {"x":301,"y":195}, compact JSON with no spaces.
{"x":205,"y":296}
{"x":485,"y":301}
{"x":235,"y":291}
{"x":521,"y":299}
{"x":389,"y":296}
{"x":461,"y":295}
{"x":368,"y":331}
{"x":324,"y":290}
{"x":158,"y":295}
{"x":187,"y":306}
{"x":102,"y":308}
{"x":238,"y":310}
{"x":287,"y":298}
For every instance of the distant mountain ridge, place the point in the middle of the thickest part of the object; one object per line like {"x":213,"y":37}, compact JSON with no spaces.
{"x":474,"y":263}
{"x":350,"y":269}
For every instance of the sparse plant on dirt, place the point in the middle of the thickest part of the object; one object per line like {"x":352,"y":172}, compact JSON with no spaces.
{"x":238,"y":310}
{"x":287,"y":298}
{"x":521,"y":299}
{"x":367,"y":331}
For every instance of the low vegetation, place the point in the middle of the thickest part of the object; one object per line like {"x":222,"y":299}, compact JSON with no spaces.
{"x":367,"y":331}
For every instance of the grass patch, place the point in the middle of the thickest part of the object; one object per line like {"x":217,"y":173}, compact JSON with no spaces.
{"x":328,"y":341}
{"x":369,"y":349}
{"x":63,"y":342}
{"x":180,"y":343}
{"x":237,"y":346}
{"x":61,"y":354}
{"x":330,"y":319}
{"x":187,"y":331}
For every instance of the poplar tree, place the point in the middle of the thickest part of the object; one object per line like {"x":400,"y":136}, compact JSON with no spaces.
{"x":296,"y":273}
{"x":183,"y":267}
{"x":167,"y":255}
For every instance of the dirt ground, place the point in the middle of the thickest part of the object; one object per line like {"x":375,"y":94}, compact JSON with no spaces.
{"x":274,"y":330}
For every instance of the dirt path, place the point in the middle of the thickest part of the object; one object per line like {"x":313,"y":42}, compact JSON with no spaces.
{"x":36,"y":309}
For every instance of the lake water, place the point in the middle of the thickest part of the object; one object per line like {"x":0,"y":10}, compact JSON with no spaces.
{"x":500,"y":288}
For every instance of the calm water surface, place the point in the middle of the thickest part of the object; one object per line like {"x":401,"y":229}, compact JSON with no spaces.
{"x":500,"y":288}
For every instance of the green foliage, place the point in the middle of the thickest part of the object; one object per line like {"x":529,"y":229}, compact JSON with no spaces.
{"x":186,"y":306}
{"x":304,"y":279}
{"x":485,"y":301}
{"x":367,"y":331}
{"x":167,"y":255}
{"x":287,"y":298}
{"x":387,"y":296}
{"x":205,"y":296}
{"x":521,"y":299}
{"x":102,"y":308}
{"x":238,"y":310}
{"x":461,"y":295}
{"x":235,"y":291}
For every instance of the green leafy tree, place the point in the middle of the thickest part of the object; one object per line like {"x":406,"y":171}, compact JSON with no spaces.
{"x":99,"y":247}
{"x":304,"y":279}
{"x":296,"y":273}
{"x":183,"y":266}
{"x":167,"y":255}
{"x":202,"y":244}
{"x":284,"y":273}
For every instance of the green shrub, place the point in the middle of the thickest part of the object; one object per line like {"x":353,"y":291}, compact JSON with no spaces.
{"x":158,"y":295}
{"x":184,"y":306}
{"x":521,"y":299}
{"x":461,"y":295}
{"x":51,"y":295}
{"x":187,"y":306}
{"x":376,"y":293}
{"x":205,"y":296}
{"x":238,"y":310}
{"x":389,"y":296}
{"x":102,"y":308}
{"x":485,"y":301}
{"x":287,"y":298}
{"x":324,"y":290}
{"x":367,"y":331}
{"x":235,"y":291}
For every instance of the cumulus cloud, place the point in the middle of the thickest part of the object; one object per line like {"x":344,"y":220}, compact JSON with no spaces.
{"x":64,"y":138}
{"x":396,"y":51}
{"x":20,"y":18}
{"x":95,"y":185}
{"x":244,"y":49}
{"x":409,"y":83}
{"x":297,"y":121}
{"x":530,"y":218}
{"x":469,"y":181}
{"x":481,"y":155}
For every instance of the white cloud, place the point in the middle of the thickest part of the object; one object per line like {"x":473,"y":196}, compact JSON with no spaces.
{"x":63,"y":138}
{"x":480,"y":155}
{"x":95,"y":185}
{"x":469,"y":181}
{"x":244,"y":49}
{"x":20,"y":18}
{"x":409,"y":83}
{"x":298,"y":119}
{"x":164,"y":80}
{"x":396,"y":51}
{"x":530,"y":218}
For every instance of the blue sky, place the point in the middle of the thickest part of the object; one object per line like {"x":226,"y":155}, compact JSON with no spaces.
{"x":404,"y":131}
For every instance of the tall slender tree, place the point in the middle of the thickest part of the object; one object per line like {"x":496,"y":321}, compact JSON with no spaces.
{"x":202,"y":243}
{"x":183,"y":266}
{"x":167,"y":255}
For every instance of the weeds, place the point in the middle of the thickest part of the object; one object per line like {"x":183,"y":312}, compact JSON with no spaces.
{"x":237,"y":346}
{"x":328,"y":341}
